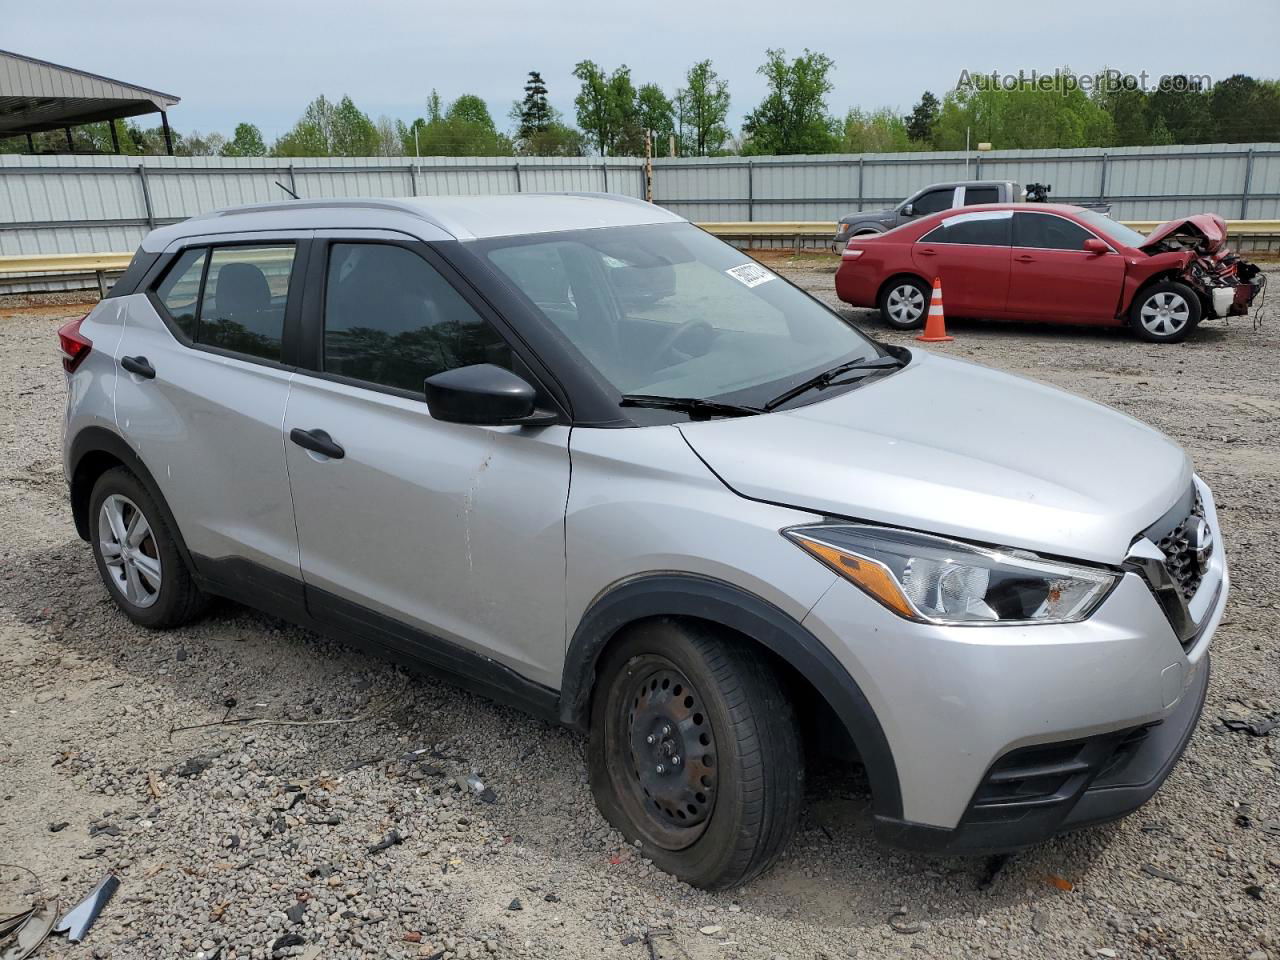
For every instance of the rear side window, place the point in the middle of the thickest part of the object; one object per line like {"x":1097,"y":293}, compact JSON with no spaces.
{"x":975,"y":195}
{"x":1046,"y":232}
{"x":230,"y":297}
{"x":179,"y":291}
{"x":390,"y":319}
{"x":984,"y":229}
{"x":242,"y":308}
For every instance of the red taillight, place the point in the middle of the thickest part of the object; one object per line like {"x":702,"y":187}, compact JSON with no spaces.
{"x":850,"y":253}
{"x":74,"y":345}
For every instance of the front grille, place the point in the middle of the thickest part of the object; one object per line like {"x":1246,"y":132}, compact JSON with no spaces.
{"x":1179,"y":555}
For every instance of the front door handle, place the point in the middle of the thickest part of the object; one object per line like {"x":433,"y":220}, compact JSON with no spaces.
{"x":927,"y":252}
{"x":317,"y":441}
{"x":1023,"y":258}
{"x":140,"y":366}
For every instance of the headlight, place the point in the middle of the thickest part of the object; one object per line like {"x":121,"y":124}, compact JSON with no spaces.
{"x":936,"y":580}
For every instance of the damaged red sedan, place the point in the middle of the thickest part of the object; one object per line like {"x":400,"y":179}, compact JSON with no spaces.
{"x":1053,"y":263}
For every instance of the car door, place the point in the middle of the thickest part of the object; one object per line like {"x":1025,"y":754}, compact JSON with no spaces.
{"x":202,"y":396}
{"x":1053,"y":277}
{"x":969,"y":253}
{"x":426,"y":536}
{"x":931,"y":201}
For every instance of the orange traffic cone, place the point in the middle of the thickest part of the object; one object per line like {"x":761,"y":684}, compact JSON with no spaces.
{"x":935,"y":325}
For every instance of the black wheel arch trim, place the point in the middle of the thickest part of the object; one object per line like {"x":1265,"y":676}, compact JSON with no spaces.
{"x":100,"y":440}
{"x":675,"y":594}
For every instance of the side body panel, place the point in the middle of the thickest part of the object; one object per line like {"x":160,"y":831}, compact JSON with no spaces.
{"x":456,"y":530}
{"x":209,"y":428}
{"x":91,"y":392}
{"x":1065,"y":286}
{"x":975,"y":277}
{"x":1140,"y":268}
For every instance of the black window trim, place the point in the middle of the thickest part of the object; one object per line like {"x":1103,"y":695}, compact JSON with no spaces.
{"x":1049,"y":213}
{"x":292,"y":304}
{"x":964,"y":195}
{"x":924,"y":193}
{"x":975,"y":214}
{"x":310,"y":357}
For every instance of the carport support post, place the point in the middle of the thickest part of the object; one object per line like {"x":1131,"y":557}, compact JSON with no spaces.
{"x":31,"y":144}
{"x":1102,"y":179}
{"x":71,"y":147}
{"x":168,"y":135}
{"x":146,"y":195}
{"x":115,"y":137}
{"x":751,"y":192}
{"x":860,"y":184}
{"x":1248,"y":183}
{"x":519,"y":185}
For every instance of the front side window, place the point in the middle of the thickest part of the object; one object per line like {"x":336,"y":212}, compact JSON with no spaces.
{"x":1044,"y":231}
{"x":242,"y":308}
{"x":934,"y":201}
{"x":390,"y":319}
{"x":668,"y":310}
{"x":985,"y":229}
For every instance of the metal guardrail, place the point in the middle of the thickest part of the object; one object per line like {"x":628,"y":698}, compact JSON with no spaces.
{"x":28,"y":267}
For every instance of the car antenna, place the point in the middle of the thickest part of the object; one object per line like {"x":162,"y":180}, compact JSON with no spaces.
{"x":287,"y":190}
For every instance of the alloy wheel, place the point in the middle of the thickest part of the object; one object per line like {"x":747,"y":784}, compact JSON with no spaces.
{"x":1165,"y":313}
{"x":129,"y":550}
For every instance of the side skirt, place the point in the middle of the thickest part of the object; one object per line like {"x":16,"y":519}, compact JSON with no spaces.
{"x":280,"y":595}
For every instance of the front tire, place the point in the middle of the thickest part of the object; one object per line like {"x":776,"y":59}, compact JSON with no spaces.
{"x":694,"y":752}
{"x":1164,"y":312}
{"x":904,"y":303}
{"x":137,"y":554}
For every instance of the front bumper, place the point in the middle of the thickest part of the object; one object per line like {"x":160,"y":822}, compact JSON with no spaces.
{"x":1002,"y":737}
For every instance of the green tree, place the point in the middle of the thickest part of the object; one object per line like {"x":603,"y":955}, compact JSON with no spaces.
{"x":1245,"y":110}
{"x":245,"y":142}
{"x":656,"y":114}
{"x":535,"y":111}
{"x":312,"y":135}
{"x":701,"y":109}
{"x":1025,"y":116}
{"x":793,"y":116}
{"x":1130,"y":114}
{"x":920,"y":122}
{"x":877,"y":131}
{"x":463,"y":129}
{"x":1184,"y":104}
{"x":606,"y":107}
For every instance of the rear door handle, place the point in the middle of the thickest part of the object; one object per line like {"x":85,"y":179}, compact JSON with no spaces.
{"x":317,"y":441}
{"x":1023,"y":258}
{"x":140,"y":366}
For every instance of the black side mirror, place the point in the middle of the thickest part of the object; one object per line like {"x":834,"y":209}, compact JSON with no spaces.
{"x":484,"y":394}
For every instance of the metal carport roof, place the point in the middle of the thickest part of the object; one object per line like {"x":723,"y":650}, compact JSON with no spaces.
{"x":36,"y":96}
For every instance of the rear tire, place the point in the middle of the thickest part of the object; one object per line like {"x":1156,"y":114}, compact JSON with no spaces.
{"x":694,"y":752}
{"x":137,"y":554}
{"x":1164,"y":312}
{"x":904,"y":303}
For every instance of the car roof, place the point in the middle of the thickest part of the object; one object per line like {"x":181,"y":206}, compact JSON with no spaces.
{"x":1022,"y":207}
{"x":429,"y":218}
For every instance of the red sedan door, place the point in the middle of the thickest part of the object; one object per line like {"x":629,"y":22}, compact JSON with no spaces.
{"x":969,"y":253}
{"x":1054,"y":278}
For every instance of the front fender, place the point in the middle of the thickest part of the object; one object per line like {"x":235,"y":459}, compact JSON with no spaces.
{"x":1139,"y":271}
{"x":675,"y":594}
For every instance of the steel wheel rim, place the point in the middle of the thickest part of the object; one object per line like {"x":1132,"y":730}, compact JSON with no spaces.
{"x":905,"y":303}
{"x":1165,"y":313}
{"x":663,"y":722}
{"x":129,"y":551}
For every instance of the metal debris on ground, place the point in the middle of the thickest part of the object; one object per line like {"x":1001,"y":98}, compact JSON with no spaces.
{"x":515,"y":904}
{"x":75,"y":923}
{"x":1152,"y":870}
{"x":390,"y":840}
{"x":33,"y":932}
{"x":1254,"y":727}
{"x":13,"y":922}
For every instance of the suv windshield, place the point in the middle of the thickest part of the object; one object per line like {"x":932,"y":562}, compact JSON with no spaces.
{"x":667,"y":310}
{"x":1110,"y":228}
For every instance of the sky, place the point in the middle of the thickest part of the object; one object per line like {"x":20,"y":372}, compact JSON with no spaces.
{"x":263,"y":61}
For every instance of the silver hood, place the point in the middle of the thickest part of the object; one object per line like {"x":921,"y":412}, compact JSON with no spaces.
{"x":954,"y":448}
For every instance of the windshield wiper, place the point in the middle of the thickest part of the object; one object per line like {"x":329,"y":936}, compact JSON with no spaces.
{"x":828,"y":377}
{"x":695,"y":407}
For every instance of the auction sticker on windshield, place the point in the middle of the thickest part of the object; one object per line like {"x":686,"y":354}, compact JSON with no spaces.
{"x":750,"y":274}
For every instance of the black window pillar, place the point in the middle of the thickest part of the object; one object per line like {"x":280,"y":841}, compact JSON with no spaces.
{"x":168,"y":136}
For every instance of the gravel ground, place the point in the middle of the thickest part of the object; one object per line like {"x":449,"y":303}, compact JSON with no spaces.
{"x":258,"y":839}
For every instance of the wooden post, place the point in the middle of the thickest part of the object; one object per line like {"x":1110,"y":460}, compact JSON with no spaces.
{"x":648,"y":165}
{"x":671,"y":146}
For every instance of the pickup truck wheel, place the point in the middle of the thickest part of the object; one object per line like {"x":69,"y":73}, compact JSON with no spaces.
{"x":1164,"y":312}
{"x":694,"y":752}
{"x":904,"y":303}
{"x":137,"y":555}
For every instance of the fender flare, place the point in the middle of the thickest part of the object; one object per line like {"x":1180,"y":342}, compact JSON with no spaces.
{"x":674,"y":594}
{"x":95,"y":440}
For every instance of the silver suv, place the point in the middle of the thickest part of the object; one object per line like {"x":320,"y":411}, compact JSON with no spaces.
{"x":579,"y":455}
